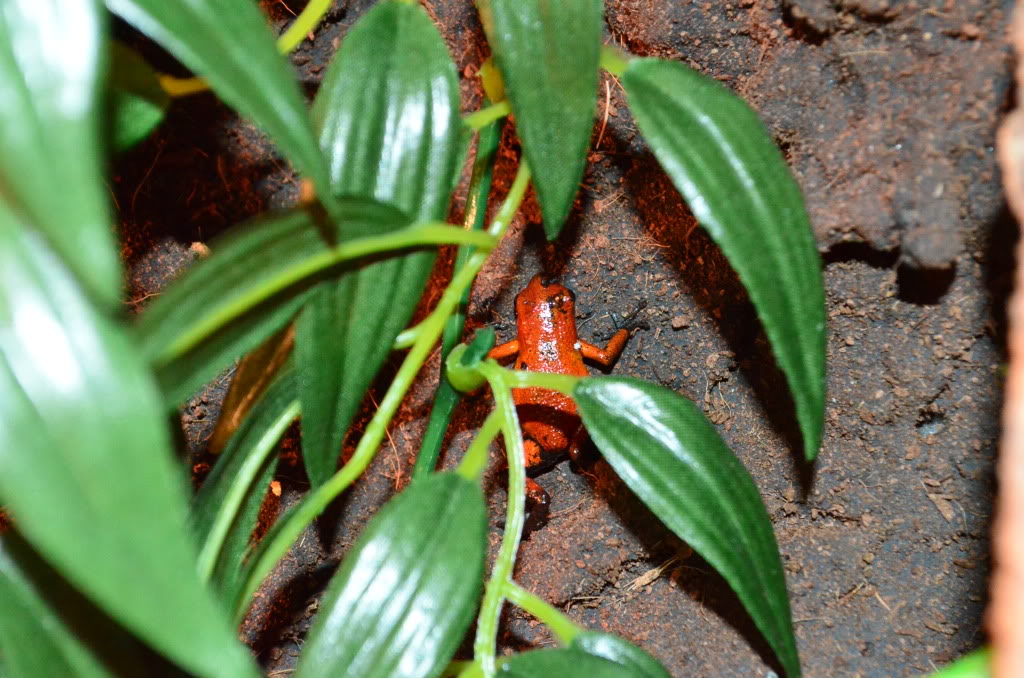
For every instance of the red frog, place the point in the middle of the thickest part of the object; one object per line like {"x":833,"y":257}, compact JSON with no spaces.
{"x":546,"y":341}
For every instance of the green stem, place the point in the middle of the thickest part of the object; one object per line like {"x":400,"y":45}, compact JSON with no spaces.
{"x":406,"y":337}
{"x":304,"y":23}
{"x":445,"y":396}
{"x":563,"y":383}
{"x":614,"y":60}
{"x":486,"y":116}
{"x":565,"y":629}
{"x":245,"y":300}
{"x":486,"y":643}
{"x":307,"y":20}
{"x":290,"y":527}
{"x":475,"y":459}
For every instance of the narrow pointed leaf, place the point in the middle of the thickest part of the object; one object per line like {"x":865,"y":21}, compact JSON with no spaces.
{"x":229,"y":43}
{"x":619,"y":651}
{"x":225,"y":510}
{"x":405,"y":594}
{"x":564,"y":663}
{"x":736,"y":182}
{"x":247,"y":289}
{"x":85,"y":462}
{"x":136,"y":100}
{"x":52,"y":58}
{"x":664,"y":449}
{"x":548,"y":53}
{"x":445,"y":396}
{"x":387,"y":114}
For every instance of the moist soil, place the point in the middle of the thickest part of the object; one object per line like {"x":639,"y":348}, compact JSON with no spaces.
{"x":886,"y":112}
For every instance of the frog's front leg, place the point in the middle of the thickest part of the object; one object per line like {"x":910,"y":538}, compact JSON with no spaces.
{"x":507,"y":350}
{"x":607,"y":355}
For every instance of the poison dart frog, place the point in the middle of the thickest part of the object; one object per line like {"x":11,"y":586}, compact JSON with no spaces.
{"x":546,"y":341}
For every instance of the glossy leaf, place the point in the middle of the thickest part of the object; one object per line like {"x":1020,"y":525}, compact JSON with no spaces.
{"x":226,"y":508}
{"x":137,"y":102}
{"x":736,"y":182}
{"x":405,"y":594}
{"x":664,"y":449}
{"x":52,"y":57}
{"x":247,"y":289}
{"x":563,"y":663}
{"x":548,"y":53}
{"x":387,"y":114}
{"x":619,"y":651}
{"x":229,"y":43}
{"x":85,"y":462}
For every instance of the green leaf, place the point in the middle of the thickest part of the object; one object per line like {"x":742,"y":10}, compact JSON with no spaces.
{"x":180,"y":377}
{"x":548,"y":52}
{"x":736,"y":182}
{"x":661,"y":445}
{"x":621,"y":652}
{"x":229,"y":43}
{"x":977,"y":664}
{"x":563,"y":663}
{"x":138,"y":103}
{"x":34,"y":641}
{"x":445,"y":396}
{"x":76,"y":632}
{"x":85,"y":462}
{"x":226,"y":508}
{"x":245,"y":290}
{"x":405,"y":594}
{"x":51,"y":60}
{"x":388,"y":118}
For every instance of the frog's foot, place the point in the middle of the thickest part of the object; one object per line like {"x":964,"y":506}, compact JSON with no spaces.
{"x":631,"y":321}
{"x":538,"y":503}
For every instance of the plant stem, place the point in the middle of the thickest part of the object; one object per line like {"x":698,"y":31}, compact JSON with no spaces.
{"x":614,"y":60}
{"x":563,"y":383}
{"x":414,"y":236}
{"x":288,"y":529}
{"x":486,"y":116}
{"x":565,"y":629}
{"x":486,"y":642}
{"x":445,"y":396}
{"x":475,"y":459}
{"x":307,"y":20}
{"x":181,"y":87}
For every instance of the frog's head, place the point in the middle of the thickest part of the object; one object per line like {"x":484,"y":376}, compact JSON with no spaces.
{"x":556,"y":298}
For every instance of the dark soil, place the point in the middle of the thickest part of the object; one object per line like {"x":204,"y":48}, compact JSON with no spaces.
{"x":886,"y":112}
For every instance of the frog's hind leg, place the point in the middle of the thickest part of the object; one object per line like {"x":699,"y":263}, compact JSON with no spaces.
{"x":581,"y":449}
{"x":538,"y":502}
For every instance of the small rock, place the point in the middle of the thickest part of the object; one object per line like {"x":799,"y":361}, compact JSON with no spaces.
{"x":680,"y":321}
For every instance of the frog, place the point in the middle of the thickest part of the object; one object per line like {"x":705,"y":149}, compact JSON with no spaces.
{"x":547,"y":340}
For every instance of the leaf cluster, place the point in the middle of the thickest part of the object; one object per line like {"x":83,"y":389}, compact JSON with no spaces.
{"x":112,"y":565}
